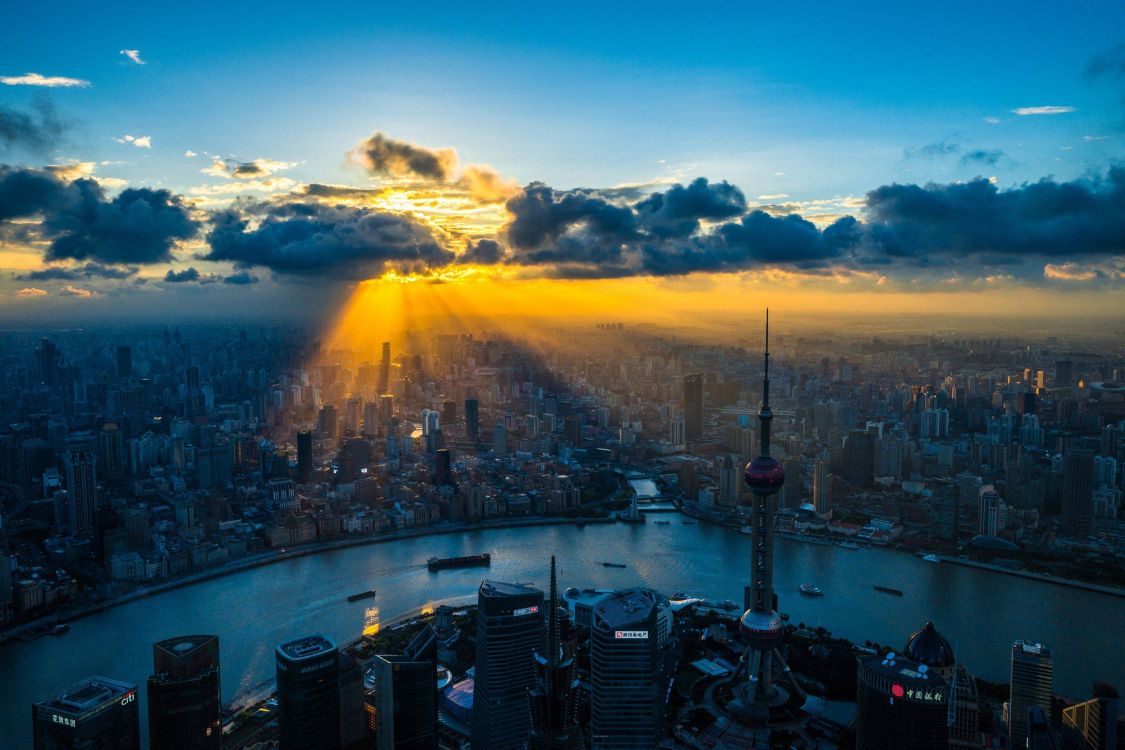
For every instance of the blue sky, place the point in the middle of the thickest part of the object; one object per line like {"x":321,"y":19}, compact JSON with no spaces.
{"x":830,"y":94}
{"x":806,"y":108}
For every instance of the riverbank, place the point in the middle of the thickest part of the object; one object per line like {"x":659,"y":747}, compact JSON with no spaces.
{"x":289,"y":553}
{"x":1044,"y":577}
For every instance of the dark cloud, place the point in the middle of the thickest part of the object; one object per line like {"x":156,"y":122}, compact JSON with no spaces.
{"x":182,"y":277}
{"x":37,"y":131}
{"x":1110,"y":63}
{"x":541,"y":214}
{"x":248,"y":169}
{"x":137,"y":226}
{"x":986,"y":157}
{"x":936,"y":150}
{"x":677,"y":211}
{"x":483,"y":253}
{"x":88,"y":271}
{"x":309,"y":239}
{"x":1045,"y":218}
{"x":241,"y":278}
{"x":380,"y":154}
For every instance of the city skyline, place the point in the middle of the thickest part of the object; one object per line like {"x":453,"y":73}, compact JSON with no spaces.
{"x":682,"y":175}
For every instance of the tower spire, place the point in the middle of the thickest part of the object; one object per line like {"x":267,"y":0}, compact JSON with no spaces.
{"x":765,"y":415}
{"x":553,"y":619}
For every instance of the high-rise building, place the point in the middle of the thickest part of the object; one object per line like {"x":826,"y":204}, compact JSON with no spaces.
{"x":472,"y":420}
{"x":326,"y":423}
{"x":80,"y":468}
{"x":500,"y":440}
{"x":1078,"y":492}
{"x":509,"y":632}
{"x":553,"y":698}
{"x":1064,"y":373}
{"x":821,"y":489}
{"x":1032,"y":673}
{"x":406,"y":703}
{"x":352,"y":720}
{"x":184,"y":707}
{"x":304,"y":457}
{"x":859,"y":457}
{"x":96,"y":713}
{"x":760,"y":625}
{"x":194,"y":404}
{"x":372,"y":425}
{"x":124,"y":362}
{"x":1039,"y":733}
{"x":308,"y":694}
{"x":900,"y":704}
{"x":677,"y":430}
{"x":442,"y":466}
{"x":693,"y":407}
{"x":625,"y":705}
{"x":1092,"y":724}
{"x":385,"y":368}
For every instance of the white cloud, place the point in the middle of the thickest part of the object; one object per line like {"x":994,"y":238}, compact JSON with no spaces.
{"x":73,"y":291}
{"x":247,"y":170}
{"x":267,"y":185}
{"x":140,"y":141}
{"x":72,"y":170}
{"x":1044,"y":110}
{"x":774,"y":197}
{"x":992,"y":120}
{"x":35,"y":79}
{"x":1094,"y":137}
{"x":190,"y":154}
{"x":31,"y":291}
{"x":134,"y":55}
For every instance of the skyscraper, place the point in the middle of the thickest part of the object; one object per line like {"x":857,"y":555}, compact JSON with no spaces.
{"x":509,"y":632}
{"x":124,"y":362}
{"x":304,"y":457}
{"x":385,"y":368}
{"x":1078,"y":489}
{"x":500,"y":440}
{"x":625,"y":705}
{"x":693,"y":407}
{"x":859,"y":457}
{"x":184,"y":707}
{"x":193,"y":394}
{"x":1092,"y":724}
{"x":472,"y":420}
{"x":554,"y":720}
{"x":308,"y":694}
{"x":760,"y":625}
{"x":822,"y":500}
{"x":676,"y":430}
{"x":80,"y":467}
{"x":1064,"y":373}
{"x":96,"y":713}
{"x":900,"y":704}
{"x":1032,"y":672}
{"x":406,"y":703}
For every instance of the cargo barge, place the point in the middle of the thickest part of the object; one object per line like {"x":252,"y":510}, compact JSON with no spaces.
{"x":440,"y":563}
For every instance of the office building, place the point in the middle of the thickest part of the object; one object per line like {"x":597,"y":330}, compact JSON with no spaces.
{"x":625,"y":704}
{"x":124,"y":362}
{"x":352,"y":719}
{"x":900,"y":704}
{"x":1078,"y":493}
{"x":95,"y":714}
{"x":500,"y":440}
{"x":308,"y":694}
{"x":442,"y":467}
{"x":80,"y":469}
{"x":406,"y":703}
{"x":472,"y":420}
{"x":859,"y":457}
{"x":1040,"y":736}
{"x":385,"y":368}
{"x":1031,"y":682}
{"x":553,"y":698}
{"x":677,"y":431}
{"x":821,"y":489}
{"x":1092,"y":724}
{"x":304,"y":457}
{"x":184,"y":705}
{"x":693,"y":407}
{"x":509,"y":632}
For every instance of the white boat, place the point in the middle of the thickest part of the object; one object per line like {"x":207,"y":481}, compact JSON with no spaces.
{"x":931,"y":558}
{"x":848,"y":545}
{"x":809,"y":590}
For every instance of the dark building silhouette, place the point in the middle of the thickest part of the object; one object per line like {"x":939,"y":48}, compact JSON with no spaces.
{"x":406,"y":703}
{"x":442,"y":466}
{"x":304,"y":457}
{"x":472,"y":420}
{"x":95,"y":714}
{"x":1064,"y":373}
{"x":1092,"y":724}
{"x":184,"y":707}
{"x":124,"y":362}
{"x":625,"y":706}
{"x":1039,"y":733}
{"x":308,"y":694}
{"x":50,"y":358}
{"x":509,"y":632}
{"x":448,"y":412}
{"x":1031,"y":683}
{"x":352,"y":720}
{"x":859,"y":458}
{"x":900,"y":704}
{"x":1078,"y":492}
{"x":693,"y":407}
{"x":385,"y":368}
{"x":553,"y":699}
{"x":80,"y":468}
{"x":194,"y":405}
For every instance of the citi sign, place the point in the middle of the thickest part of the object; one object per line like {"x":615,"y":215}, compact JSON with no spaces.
{"x":631,"y":634}
{"x":524,"y":611}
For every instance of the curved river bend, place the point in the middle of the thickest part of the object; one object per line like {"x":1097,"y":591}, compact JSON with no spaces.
{"x":980,"y":612}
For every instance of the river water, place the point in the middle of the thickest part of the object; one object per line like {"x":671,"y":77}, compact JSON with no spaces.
{"x":980,"y":612}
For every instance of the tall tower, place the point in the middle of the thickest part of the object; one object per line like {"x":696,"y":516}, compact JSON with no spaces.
{"x":184,"y":707}
{"x":554,"y":717}
{"x":760,"y":625}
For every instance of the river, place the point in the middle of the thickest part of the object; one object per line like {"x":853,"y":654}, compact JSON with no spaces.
{"x":981,"y":612}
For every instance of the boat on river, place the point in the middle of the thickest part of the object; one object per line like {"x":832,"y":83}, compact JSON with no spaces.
{"x":888,"y":590}
{"x":361,"y":595}
{"x":440,"y":563}
{"x":809,"y":590}
{"x":613,"y":565}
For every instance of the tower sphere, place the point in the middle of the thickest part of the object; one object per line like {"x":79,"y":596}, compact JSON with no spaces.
{"x":764,"y":475}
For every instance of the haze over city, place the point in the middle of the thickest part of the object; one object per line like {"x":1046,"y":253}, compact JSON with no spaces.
{"x":573,"y":376}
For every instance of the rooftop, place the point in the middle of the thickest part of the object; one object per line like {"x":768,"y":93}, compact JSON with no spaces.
{"x":308,"y":647}
{"x":89,"y":694}
{"x":625,"y":607}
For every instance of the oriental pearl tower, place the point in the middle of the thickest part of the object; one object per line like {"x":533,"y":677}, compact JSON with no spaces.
{"x":760,"y":698}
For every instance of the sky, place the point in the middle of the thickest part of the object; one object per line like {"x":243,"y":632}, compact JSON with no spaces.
{"x":223,"y":160}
